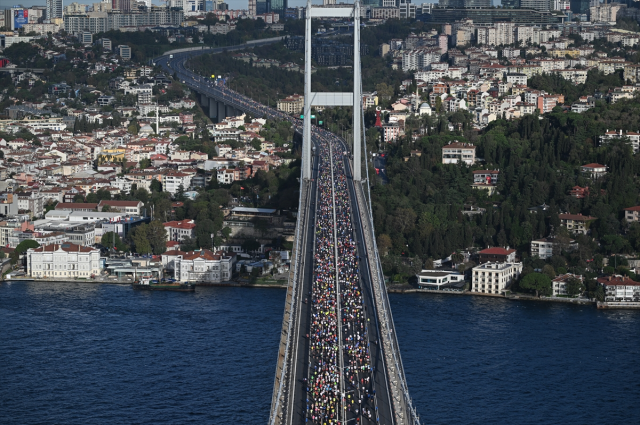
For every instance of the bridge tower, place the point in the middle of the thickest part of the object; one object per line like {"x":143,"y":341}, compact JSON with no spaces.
{"x":333,"y":98}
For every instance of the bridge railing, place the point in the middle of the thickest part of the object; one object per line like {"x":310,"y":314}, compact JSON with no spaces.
{"x":385,"y":312}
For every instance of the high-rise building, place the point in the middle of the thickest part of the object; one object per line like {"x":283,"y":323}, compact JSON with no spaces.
{"x":464,"y":3}
{"x":580,"y":6}
{"x":54,"y":9}
{"x":263,"y":6}
{"x":536,"y":4}
{"x":512,"y":4}
{"x":279,"y":7}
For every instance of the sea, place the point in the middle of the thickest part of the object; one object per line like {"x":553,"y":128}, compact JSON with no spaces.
{"x":84,"y":353}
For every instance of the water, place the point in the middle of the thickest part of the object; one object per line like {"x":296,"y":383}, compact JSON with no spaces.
{"x":86,"y":353}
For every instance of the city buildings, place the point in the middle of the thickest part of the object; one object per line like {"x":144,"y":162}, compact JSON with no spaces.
{"x":576,"y":223}
{"x":546,"y":248}
{"x":559,"y":284}
{"x":202,"y":266}
{"x":497,"y":254}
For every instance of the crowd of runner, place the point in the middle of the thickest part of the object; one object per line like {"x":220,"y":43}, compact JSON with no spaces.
{"x":324,"y":399}
{"x":334,"y":233}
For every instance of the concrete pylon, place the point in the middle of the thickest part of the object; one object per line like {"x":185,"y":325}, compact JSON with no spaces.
{"x":312,"y":99}
{"x":213,"y":108}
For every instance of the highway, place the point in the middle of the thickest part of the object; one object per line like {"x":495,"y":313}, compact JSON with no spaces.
{"x":300,"y":359}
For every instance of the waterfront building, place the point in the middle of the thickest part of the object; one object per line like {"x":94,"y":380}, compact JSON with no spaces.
{"x":559,"y":284}
{"x":620,"y":288}
{"x":66,"y":260}
{"x":493,"y":278}
{"x":438,"y":279}
{"x":201,"y":266}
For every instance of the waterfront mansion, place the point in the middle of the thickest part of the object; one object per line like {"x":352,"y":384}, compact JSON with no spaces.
{"x":66,"y":260}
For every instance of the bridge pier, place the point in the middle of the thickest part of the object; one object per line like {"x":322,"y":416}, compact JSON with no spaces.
{"x":222,"y":112}
{"x":213,"y":108}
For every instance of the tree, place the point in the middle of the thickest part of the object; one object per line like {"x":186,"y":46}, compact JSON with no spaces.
{"x":384,"y":244}
{"x":549,"y":271}
{"x":108,"y":241}
{"x":250,"y":245}
{"x":203,"y":231}
{"x":106,"y":208}
{"x":155,"y":186}
{"x":78,"y":198}
{"x":140,"y":239}
{"x":574,"y":287}
{"x":22,"y":248}
{"x":157,"y":236}
{"x":92,"y":198}
{"x":538,"y":282}
{"x":145,"y":163}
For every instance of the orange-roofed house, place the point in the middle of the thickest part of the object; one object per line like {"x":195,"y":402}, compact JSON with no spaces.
{"x":497,"y":255}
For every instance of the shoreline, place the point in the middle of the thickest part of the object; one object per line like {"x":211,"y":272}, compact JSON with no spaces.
{"x":398,"y":289}
{"x":117,"y":282}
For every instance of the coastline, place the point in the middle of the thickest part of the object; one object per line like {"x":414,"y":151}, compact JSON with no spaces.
{"x":119,"y":282}
{"x":396,"y":289}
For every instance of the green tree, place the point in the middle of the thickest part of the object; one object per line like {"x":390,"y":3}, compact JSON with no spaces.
{"x":92,"y":198}
{"x":108,"y":241}
{"x":156,"y":186}
{"x":157,"y":236}
{"x":139,"y":237}
{"x":22,"y":248}
{"x":574,"y":287}
{"x":538,"y":282}
{"x":250,"y":245}
{"x":78,"y":198}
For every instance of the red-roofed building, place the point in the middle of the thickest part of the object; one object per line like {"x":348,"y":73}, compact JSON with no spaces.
{"x":620,"y":288}
{"x":497,"y":255}
{"x":76,"y":206}
{"x":180,"y":230}
{"x":632,"y":214}
{"x":593,"y":170}
{"x":66,"y":260}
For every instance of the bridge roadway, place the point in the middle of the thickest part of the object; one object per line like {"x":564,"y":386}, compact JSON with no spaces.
{"x":296,"y":363}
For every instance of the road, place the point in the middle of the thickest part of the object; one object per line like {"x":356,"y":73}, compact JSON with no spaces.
{"x":299,"y":366}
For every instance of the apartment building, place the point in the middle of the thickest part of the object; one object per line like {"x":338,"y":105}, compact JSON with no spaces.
{"x":180,"y":230}
{"x":66,"y":260}
{"x":459,"y":152}
{"x":633,"y":137}
{"x":545,"y":247}
{"x":493,"y":278}
{"x":292,"y":104}
{"x":620,"y":288}
{"x":127,"y":207}
{"x":576,"y":223}
{"x":486,"y":176}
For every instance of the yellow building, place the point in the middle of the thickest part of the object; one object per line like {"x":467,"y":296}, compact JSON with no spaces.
{"x":111,"y":155}
{"x":561,"y":53}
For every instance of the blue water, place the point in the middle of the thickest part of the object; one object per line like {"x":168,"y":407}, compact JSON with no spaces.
{"x":104,"y":354}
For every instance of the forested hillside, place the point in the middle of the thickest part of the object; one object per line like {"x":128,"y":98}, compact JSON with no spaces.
{"x":419,"y":213}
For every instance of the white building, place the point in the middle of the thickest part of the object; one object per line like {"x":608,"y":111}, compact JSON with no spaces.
{"x":543,"y":248}
{"x":203,"y":266}
{"x":620,"y":288}
{"x":172,"y":181}
{"x":559,"y":284}
{"x":63,"y":261}
{"x":180,"y":230}
{"x":632,"y":136}
{"x":436,"y":279}
{"x":493,"y":278}
{"x":456,"y":152}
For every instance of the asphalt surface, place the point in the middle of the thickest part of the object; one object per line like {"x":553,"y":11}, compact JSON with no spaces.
{"x":299,"y":367}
